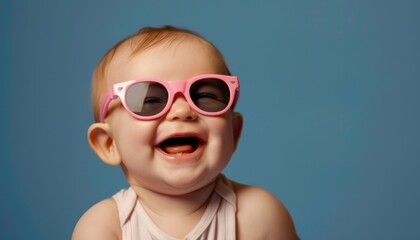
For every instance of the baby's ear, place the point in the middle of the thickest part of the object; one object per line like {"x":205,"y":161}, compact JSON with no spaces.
{"x":237,"y":123}
{"x":102,"y":143}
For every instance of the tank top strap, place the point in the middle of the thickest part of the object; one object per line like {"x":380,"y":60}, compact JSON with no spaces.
{"x":126,"y":200}
{"x":225,"y":189}
{"x":226,"y":216}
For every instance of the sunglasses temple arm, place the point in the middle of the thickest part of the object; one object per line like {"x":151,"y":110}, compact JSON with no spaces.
{"x":235,"y":100}
{"x":109,"y":96}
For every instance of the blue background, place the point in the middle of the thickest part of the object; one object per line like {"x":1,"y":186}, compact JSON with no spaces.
{"x":330,"y":95}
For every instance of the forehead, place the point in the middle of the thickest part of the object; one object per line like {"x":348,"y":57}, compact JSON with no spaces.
{"x":176,"y":60}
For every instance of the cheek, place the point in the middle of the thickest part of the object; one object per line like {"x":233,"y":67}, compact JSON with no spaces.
{"x":221,"y":136}
{"x":134,"y":138}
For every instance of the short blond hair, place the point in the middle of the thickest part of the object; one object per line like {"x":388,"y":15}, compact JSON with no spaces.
{"x":146,"y":38}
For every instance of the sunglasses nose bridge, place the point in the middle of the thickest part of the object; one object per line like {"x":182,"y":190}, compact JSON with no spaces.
{"x":178,"y":87}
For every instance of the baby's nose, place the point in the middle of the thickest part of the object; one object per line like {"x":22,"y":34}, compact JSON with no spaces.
{"x":181,"y":110}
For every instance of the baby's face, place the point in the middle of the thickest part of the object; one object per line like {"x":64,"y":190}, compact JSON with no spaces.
{"x":182,"y":150}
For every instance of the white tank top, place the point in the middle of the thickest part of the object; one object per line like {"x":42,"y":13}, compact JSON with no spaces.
{"x":217,"y":222}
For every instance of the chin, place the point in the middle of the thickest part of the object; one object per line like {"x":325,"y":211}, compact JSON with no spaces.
{"x":182,"y":184}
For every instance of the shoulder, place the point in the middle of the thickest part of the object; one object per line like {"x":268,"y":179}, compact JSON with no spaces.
{"x":99,"y":222}
{"x":261,"y":215}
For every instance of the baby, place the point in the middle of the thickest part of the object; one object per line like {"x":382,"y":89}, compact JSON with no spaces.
{"x":164,"y":104}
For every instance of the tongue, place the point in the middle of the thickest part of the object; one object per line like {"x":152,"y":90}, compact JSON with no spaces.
{"x":181,"y":148}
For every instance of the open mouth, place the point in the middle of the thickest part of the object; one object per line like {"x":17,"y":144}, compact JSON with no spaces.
{"x":180,"y":145}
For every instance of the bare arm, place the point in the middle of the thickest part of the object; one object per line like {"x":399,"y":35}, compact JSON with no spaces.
{"x":262,"y":216}
{"x":100,"y":222}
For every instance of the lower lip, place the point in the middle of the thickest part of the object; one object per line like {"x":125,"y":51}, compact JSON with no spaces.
{"x":184,"y":157}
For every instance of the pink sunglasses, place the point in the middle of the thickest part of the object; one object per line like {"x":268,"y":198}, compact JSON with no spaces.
{"x":150,"y":98}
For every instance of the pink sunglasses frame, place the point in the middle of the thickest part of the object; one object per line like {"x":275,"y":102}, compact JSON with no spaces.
{"x":119,"y":90}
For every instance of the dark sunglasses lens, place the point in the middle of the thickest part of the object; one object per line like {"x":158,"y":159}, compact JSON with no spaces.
{"x":210,"y":94}
{"x":146,"y":98}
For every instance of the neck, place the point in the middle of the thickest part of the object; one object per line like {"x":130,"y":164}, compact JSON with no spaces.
{"x":175,"y":206}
